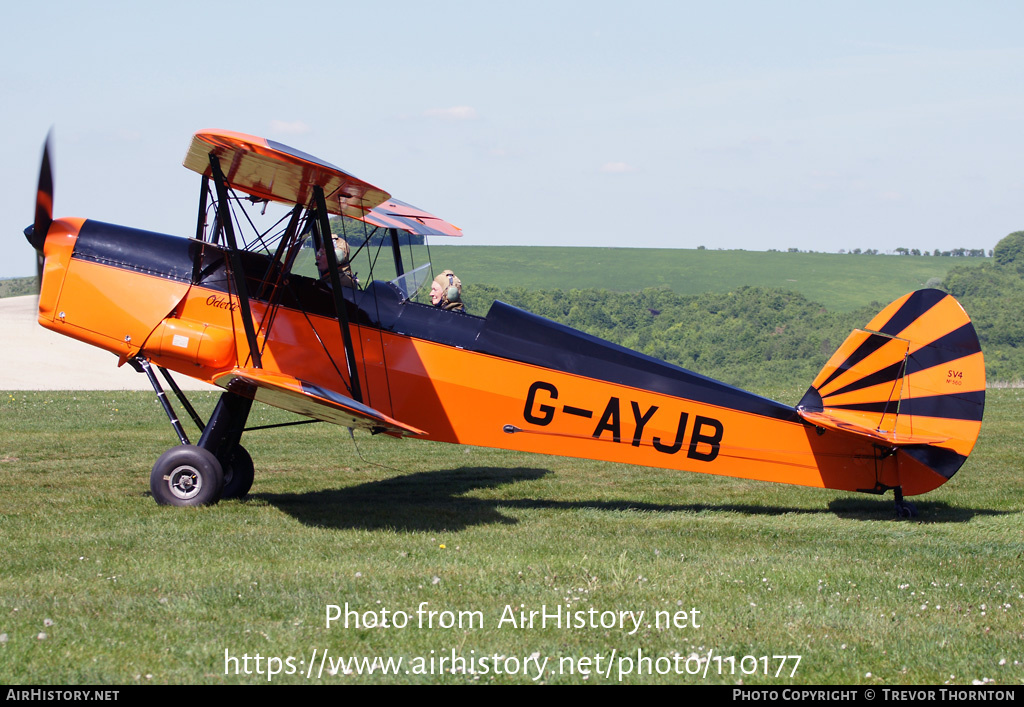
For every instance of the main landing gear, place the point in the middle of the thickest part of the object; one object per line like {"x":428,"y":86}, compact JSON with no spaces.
{"x":192,"y":476}
{"x":217,"y":466}
{"x":187,"y":476}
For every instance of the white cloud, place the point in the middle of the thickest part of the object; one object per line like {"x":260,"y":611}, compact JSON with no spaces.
{"x":295,"y":127}
{"x":453,"y":113}
{"x":617,"y":168}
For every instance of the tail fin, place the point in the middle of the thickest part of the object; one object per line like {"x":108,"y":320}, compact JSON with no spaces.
{"x":913,"y":379}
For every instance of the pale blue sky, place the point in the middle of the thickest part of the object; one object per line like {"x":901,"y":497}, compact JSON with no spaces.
{"x":754,"y":125}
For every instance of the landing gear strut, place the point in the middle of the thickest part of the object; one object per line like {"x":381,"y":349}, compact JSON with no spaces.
{"x":217,"y":466}
{"x":904,"y":509}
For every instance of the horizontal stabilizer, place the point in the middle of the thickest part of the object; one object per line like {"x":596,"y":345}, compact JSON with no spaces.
{"x":821,"y":419}
{"x":311,"y":400}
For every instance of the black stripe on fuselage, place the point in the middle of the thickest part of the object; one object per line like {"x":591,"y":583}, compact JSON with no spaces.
{"x":942,"y":461}
{"x":145,"y":252}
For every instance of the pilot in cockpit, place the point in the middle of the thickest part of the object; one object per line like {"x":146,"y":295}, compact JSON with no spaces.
{"x":446,"y":292}
{"x":341,"y":253}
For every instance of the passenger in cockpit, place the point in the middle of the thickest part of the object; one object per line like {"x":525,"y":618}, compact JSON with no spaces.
{"x":446,"y":292}
{"x":341,"y":253}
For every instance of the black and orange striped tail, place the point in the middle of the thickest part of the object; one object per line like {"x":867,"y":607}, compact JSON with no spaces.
{"x":913,"y":380}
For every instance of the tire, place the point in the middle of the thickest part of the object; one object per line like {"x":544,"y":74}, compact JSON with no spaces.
{"x":186,"y":476}
{"x":239,"y":473}
{"x":906,"y":510}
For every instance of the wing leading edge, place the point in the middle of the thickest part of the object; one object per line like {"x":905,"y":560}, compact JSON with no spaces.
{"x":398,"y":214}
{"x":270,"y":170}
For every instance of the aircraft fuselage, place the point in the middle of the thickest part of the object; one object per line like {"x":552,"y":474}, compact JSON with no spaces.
{"x":509,"y":380}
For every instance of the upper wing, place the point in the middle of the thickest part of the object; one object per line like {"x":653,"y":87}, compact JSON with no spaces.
{"x":398,"y":214}
{"x":270,"y":170}
{"x":311,"y":400}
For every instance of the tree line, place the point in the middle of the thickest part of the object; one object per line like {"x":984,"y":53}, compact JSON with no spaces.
{"x":752,"y":337}
{"x":755,"y":337}
{"x":954,"y":253}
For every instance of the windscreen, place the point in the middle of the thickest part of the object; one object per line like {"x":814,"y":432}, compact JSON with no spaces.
{"x":412,"y":281}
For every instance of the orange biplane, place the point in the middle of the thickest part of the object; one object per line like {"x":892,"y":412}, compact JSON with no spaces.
{"x":898,"y":406}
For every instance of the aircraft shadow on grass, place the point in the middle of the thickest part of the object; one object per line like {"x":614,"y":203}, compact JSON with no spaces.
{"x":437,"y":501}
{"x":425,"y":501}
{"x":928,"y":511}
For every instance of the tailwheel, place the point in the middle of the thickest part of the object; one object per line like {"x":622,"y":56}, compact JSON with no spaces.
{"x":904,"y":509}
{"x":187,"y":476}
{"x":239,"y":472}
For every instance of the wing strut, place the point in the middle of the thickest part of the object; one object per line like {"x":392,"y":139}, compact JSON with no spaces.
{"x":237,"y":270}
{"x":339,"y":300}
{"x":201,"y":220}
{"x":396,"y":251}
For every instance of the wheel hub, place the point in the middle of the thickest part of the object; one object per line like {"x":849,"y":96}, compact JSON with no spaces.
{"x":184,"y":482}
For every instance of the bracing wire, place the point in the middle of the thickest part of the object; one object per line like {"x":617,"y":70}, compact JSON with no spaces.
{"x":352,"y":434}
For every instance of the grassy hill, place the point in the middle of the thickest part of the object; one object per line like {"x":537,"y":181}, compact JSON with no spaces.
{"x":685,"y":301}
{"x":840,"y":282}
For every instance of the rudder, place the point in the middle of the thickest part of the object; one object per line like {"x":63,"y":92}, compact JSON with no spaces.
{"x":914,"y":380}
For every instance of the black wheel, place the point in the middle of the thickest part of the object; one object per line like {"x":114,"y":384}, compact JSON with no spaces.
{"x":239,"y":472}
{"x":906,"y":510}
{"x":186,"y":476}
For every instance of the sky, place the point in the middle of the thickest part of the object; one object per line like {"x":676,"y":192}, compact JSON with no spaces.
{"x":736,"y":125}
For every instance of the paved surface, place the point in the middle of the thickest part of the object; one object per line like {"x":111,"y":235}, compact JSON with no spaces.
{"x":34,"y":358}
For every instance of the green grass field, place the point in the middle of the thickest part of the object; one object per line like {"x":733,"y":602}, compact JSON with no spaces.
{"x":840,"y":282}
{"x":128,"y":592}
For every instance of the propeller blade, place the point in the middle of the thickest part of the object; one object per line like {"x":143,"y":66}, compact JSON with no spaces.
{"x":44,"y":201}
